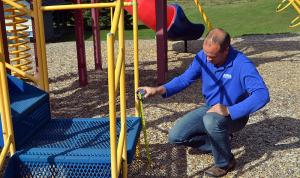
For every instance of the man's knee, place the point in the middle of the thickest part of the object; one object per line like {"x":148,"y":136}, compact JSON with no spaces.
{"x":214,"y":122}
{"x":174,"y":136}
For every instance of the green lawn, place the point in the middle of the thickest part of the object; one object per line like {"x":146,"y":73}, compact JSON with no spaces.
{"x":238,"y":17}
{"x":247,"y":17}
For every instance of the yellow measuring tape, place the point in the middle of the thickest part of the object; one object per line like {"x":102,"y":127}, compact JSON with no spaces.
{"x":140,"y":94}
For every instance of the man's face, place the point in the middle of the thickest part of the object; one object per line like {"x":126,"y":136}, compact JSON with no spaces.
{"x":214,"y":54}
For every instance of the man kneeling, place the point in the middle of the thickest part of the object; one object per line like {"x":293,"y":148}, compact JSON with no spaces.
{"x":232,"y":88}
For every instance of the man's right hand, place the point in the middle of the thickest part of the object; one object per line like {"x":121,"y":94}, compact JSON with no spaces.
{"x":152,"y":91}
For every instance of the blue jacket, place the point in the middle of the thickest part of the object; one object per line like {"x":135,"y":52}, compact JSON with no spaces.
{"x":236,"y":84}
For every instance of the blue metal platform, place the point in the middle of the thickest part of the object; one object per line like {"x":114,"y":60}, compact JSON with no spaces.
{"x":70,"y":148}
{"x":46,"y":147}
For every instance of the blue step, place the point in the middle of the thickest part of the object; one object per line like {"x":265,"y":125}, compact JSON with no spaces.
{"x":30,"y":109}
{"x":71,"y":148}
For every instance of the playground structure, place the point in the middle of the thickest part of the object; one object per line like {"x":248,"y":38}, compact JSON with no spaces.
{"x":41,"y":146}
{"x":75,"y":147}
{"x":296,"y":6}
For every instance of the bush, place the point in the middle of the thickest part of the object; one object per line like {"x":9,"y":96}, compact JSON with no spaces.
{"x":105,"y":19}
{"x":62,"y":19}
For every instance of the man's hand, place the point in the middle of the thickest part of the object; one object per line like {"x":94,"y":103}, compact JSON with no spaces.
{"x":152,"y":91}
{"x":220,"y":109}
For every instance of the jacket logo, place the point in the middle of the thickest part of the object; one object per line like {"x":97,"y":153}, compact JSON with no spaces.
{"x":227,"y":76}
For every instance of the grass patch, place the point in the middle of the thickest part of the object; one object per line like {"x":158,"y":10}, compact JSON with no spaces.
{"x":246,"y":17}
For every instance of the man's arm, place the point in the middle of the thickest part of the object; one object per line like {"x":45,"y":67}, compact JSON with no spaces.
{"x":190,"y":75}
{"x":258,"y":93}
{"x":178,"y":83}
{"x":152,"y":91}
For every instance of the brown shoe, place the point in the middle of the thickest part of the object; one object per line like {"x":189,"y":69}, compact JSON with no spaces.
{"x":220,"y":171}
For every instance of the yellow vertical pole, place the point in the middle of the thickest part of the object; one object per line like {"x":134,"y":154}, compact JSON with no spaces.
{"x":136,"y":67}
{"x":2,"y":112}
{"x":115,"y":19}
{"x":123,"y":92}
{"x":123,"y":121}
{"x":43,"y":44}
{"x":136,"y":55}
{"x":111,"y":15}
{"x":38,"y":45}
{"x":112,"y":104}
{"x":5,"y":102}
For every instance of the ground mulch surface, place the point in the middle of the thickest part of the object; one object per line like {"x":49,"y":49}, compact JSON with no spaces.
{"x":269,"y":146}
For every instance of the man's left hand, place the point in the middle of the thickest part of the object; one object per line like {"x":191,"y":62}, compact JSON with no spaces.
{"x":220,"y":109}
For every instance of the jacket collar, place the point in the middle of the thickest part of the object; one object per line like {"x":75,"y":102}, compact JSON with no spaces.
{"x":230,"y":58}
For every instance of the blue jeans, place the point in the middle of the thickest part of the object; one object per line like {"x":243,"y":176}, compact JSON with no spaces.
{"x":208,"y":132}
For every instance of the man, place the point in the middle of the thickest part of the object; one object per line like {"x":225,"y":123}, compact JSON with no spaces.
{"x":232,"y":88}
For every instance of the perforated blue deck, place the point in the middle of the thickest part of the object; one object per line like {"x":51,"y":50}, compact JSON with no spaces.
{"x":70,"y":148}
{"x":18,"y":168}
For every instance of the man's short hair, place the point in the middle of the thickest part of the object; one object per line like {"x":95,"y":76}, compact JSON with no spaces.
{"x":220,"y":37}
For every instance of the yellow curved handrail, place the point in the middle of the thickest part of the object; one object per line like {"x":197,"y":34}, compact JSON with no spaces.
{"x":296,"y":5}
{"x":294,"y":22}
{"x":281,"y":6}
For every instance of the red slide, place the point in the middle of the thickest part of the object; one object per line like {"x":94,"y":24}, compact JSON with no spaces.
{"x":146,"y":13}
{"x":178,"y":26}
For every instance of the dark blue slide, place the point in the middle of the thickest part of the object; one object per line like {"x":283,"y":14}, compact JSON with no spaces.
{"x":182,"y":29}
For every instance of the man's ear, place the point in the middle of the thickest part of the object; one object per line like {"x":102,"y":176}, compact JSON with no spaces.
{"x":227,"y":49}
